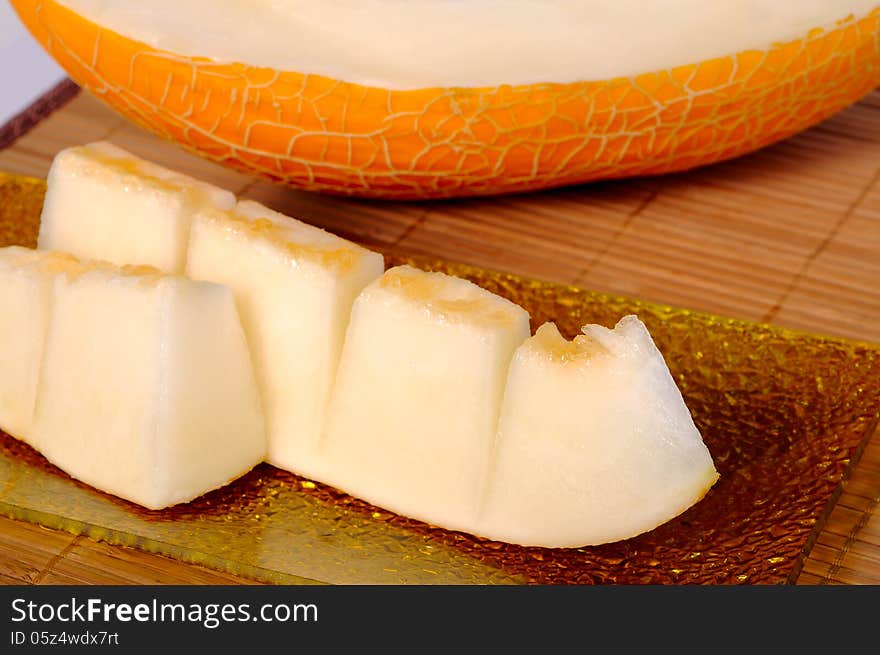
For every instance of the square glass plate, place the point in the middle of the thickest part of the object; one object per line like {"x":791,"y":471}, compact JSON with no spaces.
{"x":784,"y":414}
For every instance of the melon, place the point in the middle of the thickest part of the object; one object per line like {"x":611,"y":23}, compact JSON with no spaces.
{"x":414,"y":411}
{"x":135,"y":382}
{"x":595,"y":443}
{"x":294,"y":285}
{"x":25,"y":284}
{"x":104,"y":203}
{"x":432,"y":98}
{"x":417,"y":391}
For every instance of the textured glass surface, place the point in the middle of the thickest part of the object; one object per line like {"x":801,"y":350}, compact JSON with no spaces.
{"x":784,"y":414}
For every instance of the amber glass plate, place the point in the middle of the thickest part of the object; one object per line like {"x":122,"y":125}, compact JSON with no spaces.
{"x":784,"y":414}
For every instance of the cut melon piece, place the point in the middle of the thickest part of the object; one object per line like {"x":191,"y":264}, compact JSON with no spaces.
{"x":25,"y":282}
{"x":294,"y":285}
{"x":147,"y":389}
{"x":595,"y":443}
{"x":104,"y":203}
{"x":415,"y":407}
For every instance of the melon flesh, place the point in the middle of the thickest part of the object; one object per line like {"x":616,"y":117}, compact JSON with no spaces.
{"x":418,"y":392}
{"x":595,"y":443}
{"x":415,"y":44}
{"x":104,"y":203}
{"x":294,"y":285}
{"x":25,"y":283}
{"x":415,"y":407}
{"x":146,"y":388}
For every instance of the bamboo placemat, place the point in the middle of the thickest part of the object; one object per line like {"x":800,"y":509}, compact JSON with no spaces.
{"x":789,"y":235}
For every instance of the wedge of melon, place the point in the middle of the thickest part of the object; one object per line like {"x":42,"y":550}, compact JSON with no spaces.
{"x":145,"y":386}
{"x":104,"y":203}
{"x":294,"y":285}
{"x":417,"y":394}
{"x":595,"y":443}
{"x":25,"y":282}
{"x":432,"y":98}
{"x":416,"y":391}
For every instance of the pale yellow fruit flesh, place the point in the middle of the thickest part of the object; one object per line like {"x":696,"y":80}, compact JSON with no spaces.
{"x":595,"y":443}
{"x":145,"y":388}
{"x":440,"y":405}
{"x":413,"y":44}
{"x":104,"y":203}
{"x":417,"y":394}
{"x":25,"y":283}
{"x":294,"y":286}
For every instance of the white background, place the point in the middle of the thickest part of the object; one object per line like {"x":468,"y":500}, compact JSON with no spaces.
{"x":26,"y":71}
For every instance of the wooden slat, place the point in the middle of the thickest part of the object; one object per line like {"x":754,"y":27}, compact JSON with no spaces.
{"x":26,"y":551}
{"x":98,"y":563}
{"x":790,"y":235}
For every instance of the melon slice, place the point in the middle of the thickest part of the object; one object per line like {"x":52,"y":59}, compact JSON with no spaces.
{"x":419,"y":387}
{"x":595,"y":443}
{"x":294,"y":285}
{"x":25,"y":282}
{"x":104,"y":203}
{"x":146,"y":388}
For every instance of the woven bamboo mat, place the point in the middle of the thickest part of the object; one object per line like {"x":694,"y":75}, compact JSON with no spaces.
{"x":790,"y":235}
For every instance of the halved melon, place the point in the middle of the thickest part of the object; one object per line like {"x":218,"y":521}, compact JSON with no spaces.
{"x":433,"y":99}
